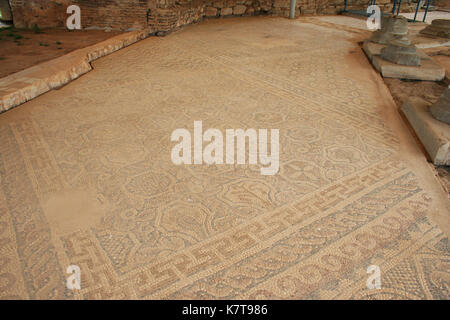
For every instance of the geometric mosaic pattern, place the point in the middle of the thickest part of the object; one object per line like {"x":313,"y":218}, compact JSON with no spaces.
{"x":86,"y":176}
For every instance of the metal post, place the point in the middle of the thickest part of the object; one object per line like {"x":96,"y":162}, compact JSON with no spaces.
{"x":417,"y":9}
{"x":345,"y":6}
{"x":426,"y":10}
{"x":372,"y":3}
{"x":292,"y":12}
{"x":399,"y":4}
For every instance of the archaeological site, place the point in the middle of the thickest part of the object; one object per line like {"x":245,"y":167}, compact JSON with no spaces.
{"x":225,"y":158}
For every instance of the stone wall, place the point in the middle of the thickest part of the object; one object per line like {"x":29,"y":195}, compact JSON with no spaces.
{"x":5,"y":11}
{"x":44,"y":13}
{"x":162,"y":16}
{"x":114,"y":14}
{"x":336,"y":6}
{"x":167,"y":15}
{"x":223,"y":8}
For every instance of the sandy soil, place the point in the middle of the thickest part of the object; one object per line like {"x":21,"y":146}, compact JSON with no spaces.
{"x":21,"y":49}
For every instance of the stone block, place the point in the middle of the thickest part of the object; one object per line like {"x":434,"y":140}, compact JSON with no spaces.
{"x":392,"y":28}
{"x":427,"y":71}
{"x":211,"y":12}
{"x":401,"y":54}
{"x":372,"y":49}
{"x":226,"y":11}
{"x":219,"y":4}
{"x":434,"y":134}
{"x":438,"y":28}
{"x":280,"y":4}
{"x":440,"y":110}
{"x":239,"y":9}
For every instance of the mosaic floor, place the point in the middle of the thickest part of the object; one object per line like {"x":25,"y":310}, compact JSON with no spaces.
{"x":86,"y":177}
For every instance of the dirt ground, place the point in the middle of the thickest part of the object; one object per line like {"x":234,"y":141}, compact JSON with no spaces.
{"x":21,"y":49}
{"x":427,"y":90}
{"x":403,"y":89}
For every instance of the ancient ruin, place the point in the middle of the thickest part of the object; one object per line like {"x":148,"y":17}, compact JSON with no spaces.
{"x":392,"y":54}
{"x":158,"y":15}
{"x":441,"y":108}
{"x":165,"y":15}
{"x":438,"y":28}
{"x":399,"y":53}
{"x":216,"y":155}
{"x":392,"y":28}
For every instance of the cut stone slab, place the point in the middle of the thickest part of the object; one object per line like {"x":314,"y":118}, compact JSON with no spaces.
{"x":434,"y":134}
{"x":427,"y":71}
{"x":374,"y":49}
